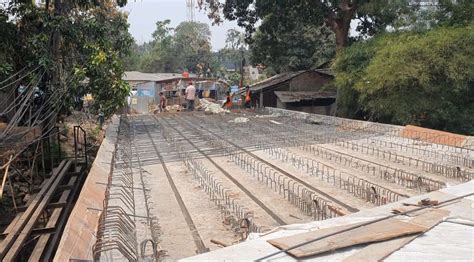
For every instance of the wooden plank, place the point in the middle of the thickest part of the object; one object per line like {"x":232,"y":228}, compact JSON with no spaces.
{"x":53,"y":219}
{"x":18,"y":215}
{"x":24,"y":218}
{"x":21,"y":238}
{"x":379,"y":231}
{"x":378,"y":251}
{"x":49,"y":252}
{"x":50,"y":205}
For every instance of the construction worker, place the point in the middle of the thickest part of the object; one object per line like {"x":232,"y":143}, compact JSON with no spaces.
{"x":248,"y":97}
{"x":163,"y":102}
{"x":190,"y":95}
{"x":228,"y":101}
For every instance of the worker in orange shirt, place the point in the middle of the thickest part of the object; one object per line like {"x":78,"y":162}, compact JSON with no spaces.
{"x":228,"y":101}
{"x":248,"y":97}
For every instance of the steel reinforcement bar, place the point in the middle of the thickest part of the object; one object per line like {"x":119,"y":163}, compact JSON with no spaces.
{"x":312,"y":188}
{"x":234,"y":181}
{"x":116,"y":231}
{"x":187,"y":216}
{"x":240,"y":218}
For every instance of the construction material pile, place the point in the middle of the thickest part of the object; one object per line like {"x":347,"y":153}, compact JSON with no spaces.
{"x":212,"y":108}
{"x":174,"y":108}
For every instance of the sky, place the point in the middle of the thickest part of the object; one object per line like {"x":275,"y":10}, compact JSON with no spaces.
{"x":143,"y":15}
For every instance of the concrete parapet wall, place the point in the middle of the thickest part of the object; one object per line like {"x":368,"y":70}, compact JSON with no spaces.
{"x":433,"y":136}
{"x":79,"y":233}
{"x":409,"y":131}
{"x":343,"y":123}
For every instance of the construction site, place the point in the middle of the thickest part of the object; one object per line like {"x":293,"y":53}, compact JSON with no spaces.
{"x":170,"y":186}
{"x":335,"y":130}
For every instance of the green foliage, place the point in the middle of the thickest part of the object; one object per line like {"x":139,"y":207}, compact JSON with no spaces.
{"x":279,"y":51}
{"x":7,"y":45}
{"x":102,"y":40}
{"x":193,"y":46}
{"x":93,"y":42}
{"x":186,"y":47}
{"x":460,"y":12}
{"x":285,"y":16}
{"x":411,"y":78}
{"x":233,"y":78}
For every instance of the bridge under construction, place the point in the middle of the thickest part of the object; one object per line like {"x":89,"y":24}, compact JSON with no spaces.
{"x":171,"y":186}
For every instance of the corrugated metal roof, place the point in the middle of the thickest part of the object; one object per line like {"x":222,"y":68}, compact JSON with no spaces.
{"x":449,"y":240}
{"x":297,"y":96}
{"x":139,"y":76}
{"x":283,"y":77}
{"x":276,"y":79}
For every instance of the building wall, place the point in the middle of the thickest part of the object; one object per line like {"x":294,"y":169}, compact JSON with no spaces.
{"x":309,"y":81}
{"x":141,"y":104}
{"x":269,"y":97}
{"x":320,"y":110}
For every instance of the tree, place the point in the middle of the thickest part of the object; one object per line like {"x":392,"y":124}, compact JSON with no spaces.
{"x":337,"y":15}
{"x":94,"y":41}
{"x":161,"y":57}
{"x":235,"y":50}
{"x":235,"y":40}
{"x":192,"y":44}
{"x":412,"y":78}
{"x":279,"y":52}
{"x":186,"y":47}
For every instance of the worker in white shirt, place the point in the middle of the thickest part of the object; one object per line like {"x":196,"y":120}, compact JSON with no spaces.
{"x":190,"y":95}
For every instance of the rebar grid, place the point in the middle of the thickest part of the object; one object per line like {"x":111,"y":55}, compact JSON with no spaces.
{"x":297,"y":194}
{"x":300,"y":140}
{"x":239,"y":217}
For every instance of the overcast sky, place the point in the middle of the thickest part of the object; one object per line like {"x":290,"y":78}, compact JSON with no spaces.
{"x":143,"y":15}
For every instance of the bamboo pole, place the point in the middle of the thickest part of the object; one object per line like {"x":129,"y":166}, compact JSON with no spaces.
{"x":5,"y":177}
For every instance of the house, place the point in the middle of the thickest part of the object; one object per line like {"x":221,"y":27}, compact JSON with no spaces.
{"x":300,"y":91}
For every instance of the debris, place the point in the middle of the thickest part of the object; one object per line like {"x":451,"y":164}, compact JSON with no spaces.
{"x":268,"y":116}
{"x":313,"y":121}
{"x":428,"y":202}
{"x":239,"y":120}
{"x":275,"y":122}
{"x":220,"y":243}
{"x":293,"y":216}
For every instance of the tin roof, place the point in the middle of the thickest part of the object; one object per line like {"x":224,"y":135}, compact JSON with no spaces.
{"x":284,"y":77}
{"x":148,"y":77}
